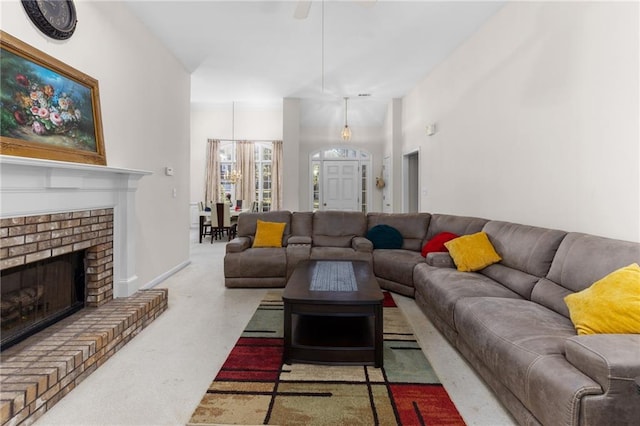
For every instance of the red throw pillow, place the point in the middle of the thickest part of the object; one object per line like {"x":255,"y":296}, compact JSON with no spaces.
{"x":436,"y":244}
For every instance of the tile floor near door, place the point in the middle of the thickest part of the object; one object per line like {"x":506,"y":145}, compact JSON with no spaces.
{"x":159,"y":377}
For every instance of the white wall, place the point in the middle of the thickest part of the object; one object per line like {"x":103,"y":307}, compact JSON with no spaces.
{"x":538,"y":120}
{"x":227,"y":121}
{"x":144,"y":94}
{"x":291,"y":197}
{"x":393,"y":149}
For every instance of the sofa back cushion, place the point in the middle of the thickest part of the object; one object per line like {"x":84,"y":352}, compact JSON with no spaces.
{"x":247,"y":223}
{"x":526,"y":251}
{"x":459,"y":225}
{"x":580,"y":261}
{"x":527,"y":248}
{"x":337,"y":228}
{"x":412,"y":226}
{"x":302,"y":223}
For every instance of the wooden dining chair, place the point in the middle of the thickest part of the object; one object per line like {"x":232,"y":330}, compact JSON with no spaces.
{"x":222,"y":223}
{"x":214,"y":222}
{"x":206,"y":226}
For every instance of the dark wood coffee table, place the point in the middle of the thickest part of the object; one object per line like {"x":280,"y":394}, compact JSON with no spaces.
{"x":333,"y":314}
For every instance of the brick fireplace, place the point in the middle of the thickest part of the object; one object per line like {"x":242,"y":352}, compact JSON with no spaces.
{"x":51,"y":208}
{"x":26,"y":239}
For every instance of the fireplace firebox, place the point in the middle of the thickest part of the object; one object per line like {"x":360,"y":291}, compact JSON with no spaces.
{"x":38,"y":294}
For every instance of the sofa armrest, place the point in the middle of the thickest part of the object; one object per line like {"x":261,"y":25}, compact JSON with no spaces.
{"x":440,"y":260}
{"x":299,"y":239}
{"x":612,"y":360}
{"x":238,"y":244}
{"x":362,"y":244}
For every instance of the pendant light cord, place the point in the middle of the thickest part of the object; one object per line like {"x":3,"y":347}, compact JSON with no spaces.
{"x":322,"y":45}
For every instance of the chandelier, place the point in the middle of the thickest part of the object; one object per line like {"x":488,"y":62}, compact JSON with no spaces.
{"x":234,"y":177}
{"x":346,"y":131}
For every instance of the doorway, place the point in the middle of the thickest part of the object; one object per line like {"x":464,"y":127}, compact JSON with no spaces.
{"x":387,"y":195}
{"x":340,"y":182}
{"x":340,"y":179}
{"x":411,"y":182}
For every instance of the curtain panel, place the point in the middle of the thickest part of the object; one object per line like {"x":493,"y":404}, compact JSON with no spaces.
{"x":212,"y":175}
{"x":245,"y":161}
{"x":276,"y":173}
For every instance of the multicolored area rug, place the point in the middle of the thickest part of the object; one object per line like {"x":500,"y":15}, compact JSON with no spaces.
{"x":255,"y":387}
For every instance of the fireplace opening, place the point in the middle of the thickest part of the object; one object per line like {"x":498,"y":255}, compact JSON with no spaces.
{"x":39,"y":294}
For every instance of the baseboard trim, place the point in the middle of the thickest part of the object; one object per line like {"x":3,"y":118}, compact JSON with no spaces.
{"x":160,"y":278}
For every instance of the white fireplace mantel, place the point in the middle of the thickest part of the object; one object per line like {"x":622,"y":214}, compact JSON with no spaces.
{"x":32,"y":186}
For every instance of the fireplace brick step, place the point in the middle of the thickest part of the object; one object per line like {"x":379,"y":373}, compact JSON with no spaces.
{"x":36,"y":373}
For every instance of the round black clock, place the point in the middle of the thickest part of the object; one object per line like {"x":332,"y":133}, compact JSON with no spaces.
{"x":55,"y":18}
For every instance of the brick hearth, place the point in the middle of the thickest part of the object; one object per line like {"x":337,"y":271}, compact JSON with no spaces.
{"x":39,"y":371}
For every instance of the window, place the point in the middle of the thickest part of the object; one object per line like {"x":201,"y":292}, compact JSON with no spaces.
{"x":228,"y":171}
{"x":227,"y":167}
{"x":263,"y":153}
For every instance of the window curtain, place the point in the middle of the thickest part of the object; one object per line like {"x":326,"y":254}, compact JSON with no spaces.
{"x":212,"y":175}
{"x":276,"y":176}
{"x":245,"y":161}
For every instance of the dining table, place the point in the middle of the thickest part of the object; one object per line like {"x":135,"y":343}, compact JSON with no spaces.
{"x":234,"y":213}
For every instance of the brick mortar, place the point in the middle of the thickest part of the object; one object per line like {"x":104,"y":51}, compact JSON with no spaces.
{"x":70,"y":351}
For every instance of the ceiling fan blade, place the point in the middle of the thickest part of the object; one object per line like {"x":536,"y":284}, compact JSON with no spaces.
{"x":302,"y":9}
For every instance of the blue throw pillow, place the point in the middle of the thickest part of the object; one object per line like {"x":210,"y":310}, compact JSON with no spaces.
{"x":385,"y":237}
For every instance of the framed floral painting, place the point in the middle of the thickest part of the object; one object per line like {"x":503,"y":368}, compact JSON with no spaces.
{"x":48,"y":109}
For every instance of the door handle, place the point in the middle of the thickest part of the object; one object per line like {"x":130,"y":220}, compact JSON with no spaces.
{"x":324,"y":204}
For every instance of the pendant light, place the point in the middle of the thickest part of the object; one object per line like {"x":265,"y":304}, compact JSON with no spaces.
{"x":346,"y":131}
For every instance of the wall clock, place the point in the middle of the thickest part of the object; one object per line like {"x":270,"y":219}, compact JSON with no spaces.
{"x":55,"y":18}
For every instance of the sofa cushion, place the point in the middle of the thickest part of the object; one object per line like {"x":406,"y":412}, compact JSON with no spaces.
{"x":248,"y":222}
{"x":525,"y":343}
{"x":436,"y":244}
{"x":302,"y":223}
{"x":611,"y":305}
{"x":526,"y":251}
{"x":339,"y":253}
{"x":268,"y":234}
{"x":385,"y":237}
{"x":472,"y":252}
{"x":337,"y":228}
{"x":396,"y":265}
{"x":526,"y":248}
{"x":578,"y":264}
{"x":460,"y":225}
{"x":412,"y":226}
{"x":256,"y":262}
{"x":443,"y":287}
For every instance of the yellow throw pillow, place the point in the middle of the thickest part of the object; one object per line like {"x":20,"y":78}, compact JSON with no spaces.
{"x":472,"y":252}
{"x":611,"y":305}
{"x":269,"y":234}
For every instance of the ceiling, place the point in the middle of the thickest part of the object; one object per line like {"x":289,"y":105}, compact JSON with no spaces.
{"x":256,"y":52}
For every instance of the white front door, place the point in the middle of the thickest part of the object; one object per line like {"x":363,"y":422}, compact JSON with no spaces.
{"x":340,"y":185}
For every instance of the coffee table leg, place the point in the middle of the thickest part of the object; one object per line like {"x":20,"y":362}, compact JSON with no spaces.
{"x":287,"y":334}
{"x":379,"y":337}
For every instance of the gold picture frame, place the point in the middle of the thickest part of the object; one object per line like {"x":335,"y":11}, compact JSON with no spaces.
{"x":48,"y":109}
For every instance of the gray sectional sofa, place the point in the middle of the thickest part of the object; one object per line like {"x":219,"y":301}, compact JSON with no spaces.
{"x":509,"y":320}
